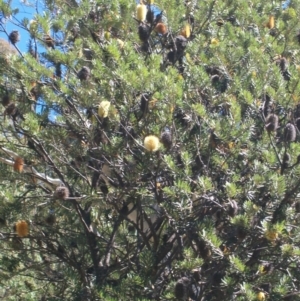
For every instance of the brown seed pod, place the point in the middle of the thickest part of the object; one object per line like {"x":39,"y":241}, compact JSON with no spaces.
{"x":196,"y":274}
{"x":289,"y":133}
{"x":144,"y":103}
{"x":286,"y":158}
{"x":298,"y":123}
{"x":84,"y":73}
{"x":10,"y":109}
{"x":50,"y":219}
{"x":241,"y":233}
{"x":182,"y":288}
{"x":297,"y":206}
{"x":220,"y":22}
{"x":282,"y":63}
{"x":18,"y":164}
{"x":271,"y":123}
{"x":204,"y":249}
{"x":49,"y":41}
{"x":144,"y":32}
{"x":14,"y":37}
{"x":166,"y":138}
{"x":180,"y":43}
{"x":61,"y":193}
{"x":2,"y":222}
{"x":150,"y":16}
{"x":232,"y":208}
{"x":5,"y":99}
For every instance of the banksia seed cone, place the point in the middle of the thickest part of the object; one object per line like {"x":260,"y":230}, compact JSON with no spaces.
{"x":22,"y":228}
{"x":141,"y":12}
{"x":61,"y":193}
{"x":289,"y":134}
{"x":204,"y":249}
{"x":49,"y":41}
{"x":220,"y":22}
{"x":84,"y":73}
{"x":196,"y":274}
{"x":286,"y":158}
{"x":180,"y":42}
{"x":166,"y":138}
{"x":18,"y":164}
{"x":181,"y":291}
{"x":14,"y":37}
{"x":271,"y":22}
{"x":144,"y":104}
{"x":161,"y":28}
{"x":297,"y":207}
{"x":151,"y":143}
{"x":150,"y":16}
{"x":282,"y":63}
{"x":144,"y":32}
{"x":232,"y":209}
{"x":10,"y":109}
{"x":298,"y":123}
{"x":271,"y":123}
{"x":5,"y":100}
{"x":241,"y":232}
{"x":103,"y":108}
{"x":50,"y":219}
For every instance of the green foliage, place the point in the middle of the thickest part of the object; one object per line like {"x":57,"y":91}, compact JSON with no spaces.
{"x":213,"y":213}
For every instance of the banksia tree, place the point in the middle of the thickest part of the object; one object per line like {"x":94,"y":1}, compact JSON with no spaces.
{"x":152,"y":148}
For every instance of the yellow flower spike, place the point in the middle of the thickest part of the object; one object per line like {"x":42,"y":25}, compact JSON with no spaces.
{"x":141,"y":12}
{"x":214,"y":42}
{"x":261,"y":296}
{"x":107,"y":35}
{"x":151,"y":143}
{"x":271,"y":235}
{"x":103,"y":108}
{"x":271,"y":22}
{"x":186,"y":31}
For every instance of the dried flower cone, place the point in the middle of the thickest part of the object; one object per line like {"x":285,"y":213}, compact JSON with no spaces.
{"x":298,"y":123}
{"x":271,"y":123}
{"x":61,"y":193}
{"x":289,"y":134}
{"x":144,"y":32}
{"x":84,"y":73}
{"x":14,"y":37}
{"x":50,"y":219}
{"x":166,"y":138}
{"x":182,"y":288}
{"x":22,"y":228}
{"x":18,"y":164}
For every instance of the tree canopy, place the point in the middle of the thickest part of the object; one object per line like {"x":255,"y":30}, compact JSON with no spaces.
{"x":149,"y":151}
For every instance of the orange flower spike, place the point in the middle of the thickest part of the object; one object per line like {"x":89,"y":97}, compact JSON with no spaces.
{"x":22,"y":228}
{"x":18,"y":164}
